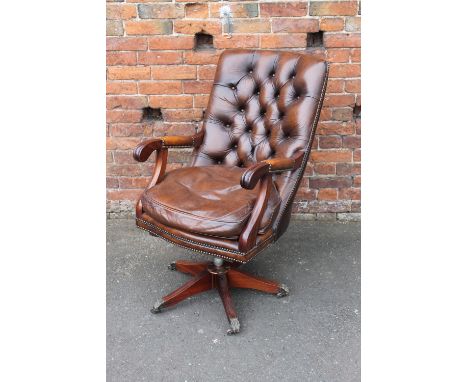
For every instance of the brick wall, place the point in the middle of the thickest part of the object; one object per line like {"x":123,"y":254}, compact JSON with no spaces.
{"x":159,"y":78}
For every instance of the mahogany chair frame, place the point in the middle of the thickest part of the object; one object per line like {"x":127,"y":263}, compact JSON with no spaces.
{"x":216,"y":274}
{"x":221,"y":274}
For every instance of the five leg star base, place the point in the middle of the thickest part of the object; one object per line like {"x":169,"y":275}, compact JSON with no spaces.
{"x":210,"y":275}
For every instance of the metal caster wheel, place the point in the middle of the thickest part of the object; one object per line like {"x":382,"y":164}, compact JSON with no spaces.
{"x":172,"y":266}
{"x":283,"y":291}
{"x":157,"y":308}
{"x":235,"y":326}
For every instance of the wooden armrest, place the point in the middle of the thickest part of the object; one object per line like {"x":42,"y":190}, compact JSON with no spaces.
{"x":254,"y":173}
{"x":262,"y":172}
{"x":285,"y":164}
{"x":143,"y":151}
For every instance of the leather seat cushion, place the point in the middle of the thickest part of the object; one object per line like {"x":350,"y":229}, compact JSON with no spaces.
{"x":208,"y":200}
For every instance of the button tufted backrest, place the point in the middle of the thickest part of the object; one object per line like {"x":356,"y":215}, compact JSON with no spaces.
{"x":263,"y":105}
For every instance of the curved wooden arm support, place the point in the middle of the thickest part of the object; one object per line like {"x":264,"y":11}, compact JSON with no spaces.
{"x":262,"y":172}
{"x":253,"y":174}
{"x":248,"y":236}
{"x":286,"y":164}
{"x":143,"y":151}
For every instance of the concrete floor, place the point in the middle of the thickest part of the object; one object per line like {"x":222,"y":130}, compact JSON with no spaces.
{"x":311,"y":335}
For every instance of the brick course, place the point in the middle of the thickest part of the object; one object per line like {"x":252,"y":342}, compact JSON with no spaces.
{"x":152,"y":61}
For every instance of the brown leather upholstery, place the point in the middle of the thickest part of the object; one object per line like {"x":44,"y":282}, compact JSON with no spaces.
{"x":264,"y":106}
{"x":208,"y":200}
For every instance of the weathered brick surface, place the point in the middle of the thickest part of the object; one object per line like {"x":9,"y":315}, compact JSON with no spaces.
{"x":152,"y":61}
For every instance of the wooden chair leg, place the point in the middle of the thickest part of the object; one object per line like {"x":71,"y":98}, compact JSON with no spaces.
{"x":189,"y":267}
{"x":200,"y":283}
{"x":241,"y":279}
{"x":225,"y":294}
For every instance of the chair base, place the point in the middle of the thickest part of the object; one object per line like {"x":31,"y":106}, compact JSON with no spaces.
{"x":211,"y":275}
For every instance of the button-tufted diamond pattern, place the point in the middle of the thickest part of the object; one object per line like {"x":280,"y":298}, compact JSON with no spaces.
{"x":263,"y":105}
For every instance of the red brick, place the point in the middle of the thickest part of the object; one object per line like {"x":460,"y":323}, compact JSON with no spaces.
{"x":331,"y":156}
{"x":251,"y":26}
{"x":175,"y":115}
{"x":353,"y":86}
{"x":338,"y":55}
{"x":117,"y":87}
{"x":148,"y":27}
{"x":109,"y":156}
{"x":200,"y":100}
{"x":126,"y":43}
{"x":159,"y":58}
{"x":124,"y":115}
{"x":342,"y":40}
{"x":245,"y":41}
{"x":160,"y":87}
{"x":133,"y":182}
{"x":123,"y":169}
{"x":171,"y":42}
{"x":178,"y":128}
{"x":112,"y":182}
{"x":123,"y":157}
{"x":348,"y":169}
{"x":171,"y":102}
{"x":114,"y":28}
{"x":331,"y":182}
{"x":357,"y":122}
{"x":131,"y":130}
{"x":283,"y":41}
{"x":120,"y":11}
{"x":331,"y":24}
{"x":327,"y":194}
{"x":305,"y":193}
{"x":352,"y":142}
{"x":126,"y":102}
{"x":350,"y":193}
{"x":196,"y":10}
{"x":206,"y":72}
{"x":132,"y":195}
{"x":358,"y":100}
{"x":345,"y":70}
{"x":333,"y":8}
{"x":143,"y":1}
{"x":180,"y":79}
{"x":335,"y":86}
{"x":174,"y":72}
{"x":197,"y":87}
{"x":237,"y":10}
{"x":290,"y":9}
{"x":195,"y":26}
{"x":342,"y":113}
{"x":339,"y":100}
{"x":128,"y":73}
{"x":160,"y":11}
{"x":201,"y":58}
{"x":120,"y":58}
{"x":353,"y":24}
{"x":357,"y":155}
{"x":122,"y":143}
{"x":329,"y":142}
{"x":283,"y":25}
{"x":356,"y":55}
{"x":325,"y":168}
{"x":325,"y":114}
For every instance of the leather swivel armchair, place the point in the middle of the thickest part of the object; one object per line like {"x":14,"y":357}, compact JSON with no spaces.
{"x":235,"y":197}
